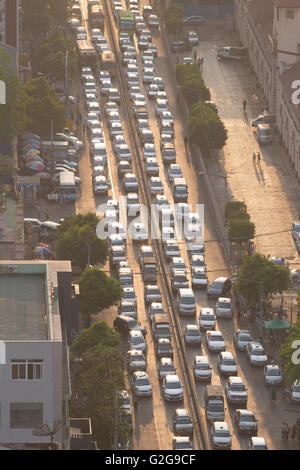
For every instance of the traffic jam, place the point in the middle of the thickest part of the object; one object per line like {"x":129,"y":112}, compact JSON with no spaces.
{"x":172,"y":312}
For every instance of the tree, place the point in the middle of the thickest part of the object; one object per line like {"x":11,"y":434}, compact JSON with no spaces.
{"x":42,"y":106}
{"x":77,"y":242}
{"x":96,"y":380}
{"x":241,"y":229}
{"x":51,"y":57}
{"x":12,"y":114}
{"x":80,"y":219}
{"x":206,"y":129}
{"x":97,"y":333}
{"x":234,"y":207}
{"x":192,"y":84}
{"x":259,"y":276}
{"x":98,"y":291}
{"x":58,"y":9}
{"x":36,"y":19}
{"x":174,"y":18}
{"x":290,"y":353}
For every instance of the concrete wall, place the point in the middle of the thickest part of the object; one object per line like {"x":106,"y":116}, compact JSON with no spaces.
{"x":209,"y":12}
{"x":287,"y":33}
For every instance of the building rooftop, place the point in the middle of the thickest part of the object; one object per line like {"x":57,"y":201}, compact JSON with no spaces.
{"x":287,"y":3}
{"x":29,"y":308}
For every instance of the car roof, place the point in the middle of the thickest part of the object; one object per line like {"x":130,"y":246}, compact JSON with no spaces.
{"x":166,"y":360}
{"x":244,"y":412}
{"x":201,"y":359}
{"x":135,"y":333}
{"x":258,"y":440}
{"x":140,"y":374}
{"x":192,"y":327}
{"x":221,"y":426}
{"x":235,"y":380}
{"x":207,"y":311}
{"x":226,"y":354}
{"x":181,"y":412}
{"x":172,"y":378}
{"x":224,"y":299}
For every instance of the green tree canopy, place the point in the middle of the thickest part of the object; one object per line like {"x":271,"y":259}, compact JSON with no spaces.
{"x":97,"y":333}
{"x":174,"y":18}
{"x":193,"y":87}
{"x":51,"y":57}
{"x":241,"y":229}
{"x":13,"y":117}
{"x":36,"y":19}
{"x":289,"y":354}
{"x":90,"y":219}
{"x":98,"y":291}
{"x":258,"y":270}
{"x":206,"y":129}
{"x":96,"y":380}
{"x":42,"y":105}
{"x":74,"y":243}
{"x":234,"y":207}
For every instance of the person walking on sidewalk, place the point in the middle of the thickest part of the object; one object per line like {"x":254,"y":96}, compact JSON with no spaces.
{"x":254,"y":157}
{"x":185,"y":141}
{"x":244,"y":105}
{"x":47,"y":214}
{"x":195,"y":56}
{"x":201,"y":62}
{"x":258,"y":157}
{"x":294,"y":432}
{"x":287,"y":431}
{"x":38,"y":210}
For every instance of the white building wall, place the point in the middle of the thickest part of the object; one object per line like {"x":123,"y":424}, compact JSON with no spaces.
{"x":48,"y":390}
{"x":287,"y":34}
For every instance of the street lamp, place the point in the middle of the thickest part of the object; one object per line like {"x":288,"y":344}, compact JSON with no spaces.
{"x":214,"y":174}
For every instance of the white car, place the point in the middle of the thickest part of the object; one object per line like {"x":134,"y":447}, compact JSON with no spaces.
{"x":152,"y":91}
{"x":139,"y":232}
{"x":148,"y":75}
{"x":129,"y":294}
{"x":256,"y":354}
{"x":224,"y":308}
{"x":167,"y":117}
{"x":272,"y":375}
{"x":236,"y":391}
{"x":178,"y":264}
{"x":220,"y":435}
{"x":168,"y":234}
{"x":160,"y":106}
{"x":257,"y":443}
{"x":207,"y":320}
{"x":156,"y":186}
{"x":174,"y":171}
{"x":111,"y":106}
{"x":226,"y":363}
{"x":192,"y":335}
{"x":193,"y":232}
{"x":202,"y":368}
{"x":115,"y":129}
{"x":199,"y":278}
{"x":133,"y":205}
{"x":171,"y":248}
{"x":123,"y":152}
{"x":151,"y":167}
{"x":149,"y":151}
{"x":142,"y":384}
{"x":193,"y":38}
{"x":117,"y":141}
{"x":215,"y":341}
{"x":173,"y":390}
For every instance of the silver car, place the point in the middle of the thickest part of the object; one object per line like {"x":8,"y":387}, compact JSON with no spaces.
{"x":192,"y":335}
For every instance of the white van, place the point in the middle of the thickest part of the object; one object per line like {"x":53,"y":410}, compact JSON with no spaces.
{"x":207,"y":320}
{"x":186,"y":302}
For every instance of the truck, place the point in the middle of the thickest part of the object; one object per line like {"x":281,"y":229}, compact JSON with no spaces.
{"x":232,"y":53}
{"x":214,"y":403}
{"x":67,"y":186}
{"x":180,"y":190}
{"x":59,"y":148}
{"x":87,"y":53}
{"x":160,"y":327}
{"x":149,"y":270}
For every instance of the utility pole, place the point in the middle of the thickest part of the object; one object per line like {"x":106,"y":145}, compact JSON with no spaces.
{"x":52,"y":152}
{"x":66,"y":79}
{"x":89,"y":249}
{"x":261,"y":294}
{"x":116,"y":421}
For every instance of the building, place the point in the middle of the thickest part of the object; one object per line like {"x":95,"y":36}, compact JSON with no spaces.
{"x":38,"y":312}
{"x":271,"y":32}
{"x":9,"y":29}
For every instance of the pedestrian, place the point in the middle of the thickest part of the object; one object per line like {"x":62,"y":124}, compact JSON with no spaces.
{"x":282,"y":435}
{"x":38,"y":210}
{"x":287,"y":432}
{"x":273,"y":394}
{"x":293,"y":432}
{"x":177,"y":60}
{"x":185,"y":141}
{"x":47,"y":214}
{"x":201,"y":62}
{"x":244,"y":105}
{"x":135,"y":402}
{"x":195,"y":56}
{"x":258,"y":157}
{"x":254,"y":157}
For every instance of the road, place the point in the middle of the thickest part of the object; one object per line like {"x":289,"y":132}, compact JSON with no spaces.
{"x":152,"y":426}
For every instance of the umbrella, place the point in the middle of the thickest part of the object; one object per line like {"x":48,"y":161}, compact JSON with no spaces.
{"x":31,"y":141}
{"x":35,"y":158}
{"x":29,"y":146}
{"x":35,"y":166}
{"x":31,"y":152}
{"x":277,"y":324}
{"x":42,"y":251}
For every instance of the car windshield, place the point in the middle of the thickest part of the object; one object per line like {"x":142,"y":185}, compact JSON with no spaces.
{"x":188,"y":300}
{"x":165,"y":346}
{"x":126,"y":401}
{"x":222,"y":433}
{"x":180,"y":189}
{"x":164,"y":330}
{"x":183,"y":420}
{"x":224,"y":305}
{"x":216,"y":407}
{"x":174,"y":385}
{"x":153,"y":292}
{"x":180,"y":279}
{"x":137,"y":357}
{"x":297,"y":388}
{"x":228,"y":362}
{"x":142,"y":382}
{"x":266,"y":132}
{"x":182,"y":445}
{"x":199,"y":275}
{"x":247,"y":418}
{"x":216,"y":338}
{"x":202,"y":366}
{"x":274,"y":372}
{"x":217,"y":285}
{"x":208,"y":317}
{"x":245,"y":337}
{"x":193,"y":333}
{"x":258,"y":352}
{"x":237,"y":387}
{"x":167,"y":368}
{"x":136,"y":340}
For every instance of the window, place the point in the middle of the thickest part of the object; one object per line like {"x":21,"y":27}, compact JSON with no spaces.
{"x":289,"y":14}
{"x":30,"y":369}
{"x":26,"y":415}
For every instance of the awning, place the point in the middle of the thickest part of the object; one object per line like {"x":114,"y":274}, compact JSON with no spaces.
{"x":277,"y":324}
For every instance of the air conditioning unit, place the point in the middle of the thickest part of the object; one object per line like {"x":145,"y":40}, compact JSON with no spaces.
{"x":12,"y":269}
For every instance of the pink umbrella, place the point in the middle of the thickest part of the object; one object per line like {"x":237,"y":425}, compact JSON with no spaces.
{"x":35,"y":166}
{"x":33,"y":146}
